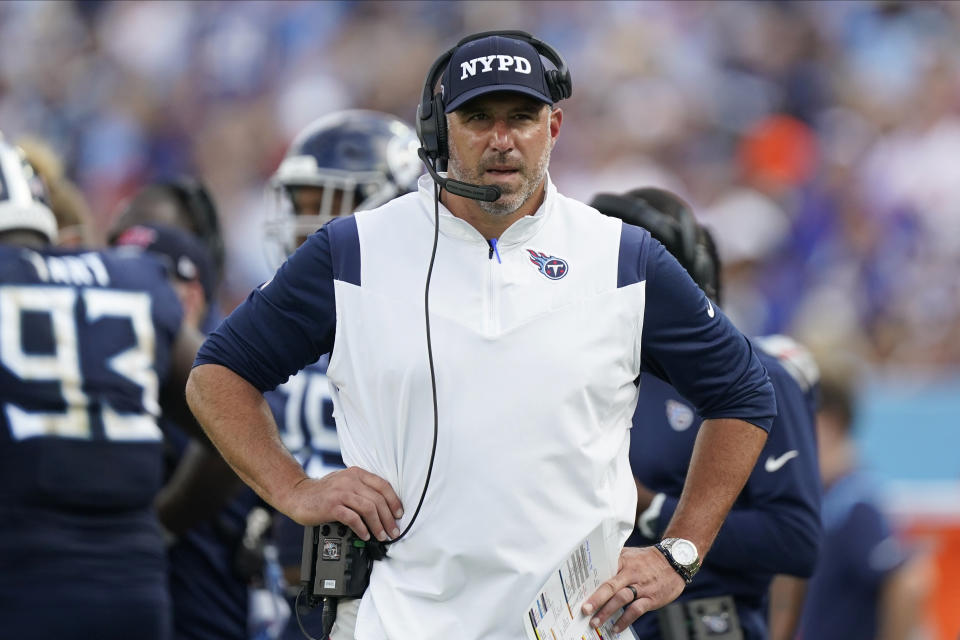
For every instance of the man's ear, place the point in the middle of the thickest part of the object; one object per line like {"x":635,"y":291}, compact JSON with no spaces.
{"x":556,"y":119}
{"x":193,"y":300}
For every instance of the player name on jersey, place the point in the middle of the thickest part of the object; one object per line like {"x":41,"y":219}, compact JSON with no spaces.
{"x":84,"y":269}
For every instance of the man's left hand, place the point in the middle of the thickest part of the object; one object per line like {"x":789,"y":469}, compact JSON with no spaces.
{"x":651,"y":576}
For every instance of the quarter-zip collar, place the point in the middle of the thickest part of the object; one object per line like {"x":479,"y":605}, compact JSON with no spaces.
{"x":517,"y":233}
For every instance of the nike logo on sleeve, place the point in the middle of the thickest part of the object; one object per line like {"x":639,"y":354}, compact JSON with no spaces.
{"x":773,"y":464}
{"x":710,"y":311}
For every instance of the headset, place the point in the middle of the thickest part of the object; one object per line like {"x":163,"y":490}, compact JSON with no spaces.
{"x":671,"y":221}
{"x":432,"y":121}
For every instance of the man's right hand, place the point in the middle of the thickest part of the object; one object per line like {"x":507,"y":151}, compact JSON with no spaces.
{"x":239,"y":422}
{"x":359,"y":499}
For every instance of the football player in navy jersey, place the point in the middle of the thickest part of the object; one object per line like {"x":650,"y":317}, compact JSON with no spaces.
{"x":773,"y":527}
{"x":202,"y":505}
{"x":343,"y":162}
{"x":91,"y":343}
{"x":184,"y":203}
{"x":867,"y":584}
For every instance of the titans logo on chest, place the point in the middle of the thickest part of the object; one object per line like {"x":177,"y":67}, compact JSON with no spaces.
{"x":550,"y":266}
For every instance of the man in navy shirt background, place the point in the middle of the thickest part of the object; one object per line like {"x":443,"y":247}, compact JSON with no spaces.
{"x":773,"y":527}
{"x":203,"y":505}
{"x":867,"y":585}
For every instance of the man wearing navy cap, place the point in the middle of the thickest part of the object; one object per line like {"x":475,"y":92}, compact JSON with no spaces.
{"x":508,"y":75}
{"x":187,"y":261}
{"x":542,"y":314}
{"x":202,"y":505}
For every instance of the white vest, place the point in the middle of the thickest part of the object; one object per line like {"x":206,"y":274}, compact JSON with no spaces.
{"x":535,"y":391}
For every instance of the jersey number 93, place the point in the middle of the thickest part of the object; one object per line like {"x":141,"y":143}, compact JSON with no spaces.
{"x":72,"y":415}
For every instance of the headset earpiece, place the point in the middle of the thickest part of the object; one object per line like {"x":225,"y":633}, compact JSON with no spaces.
{"x":427,"y":129}
{"x":431,"y":122}
{"x":431,"y":129}
{"x":440,"y":125}
{"x":559,"y":81}
{"x":559,"y":84}
{"x":553,"y":84}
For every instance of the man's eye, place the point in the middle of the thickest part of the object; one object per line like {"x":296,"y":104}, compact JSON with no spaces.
{"x":476,"y":116}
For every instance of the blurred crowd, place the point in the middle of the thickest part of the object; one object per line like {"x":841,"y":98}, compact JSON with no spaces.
{"x":817,"y":139}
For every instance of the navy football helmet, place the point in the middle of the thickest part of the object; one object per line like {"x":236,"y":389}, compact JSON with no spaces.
{"x":184,"y":203}
{"x":344,"y":162}
{"x":23,"y":196}
{"x":671,"y":221}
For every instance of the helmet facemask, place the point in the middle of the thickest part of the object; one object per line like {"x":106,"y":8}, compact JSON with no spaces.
{"x":298,"y":209}
{"x":342,"y":163}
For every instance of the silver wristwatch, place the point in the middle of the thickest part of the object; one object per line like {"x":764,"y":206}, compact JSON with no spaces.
{"x":682,"y":556}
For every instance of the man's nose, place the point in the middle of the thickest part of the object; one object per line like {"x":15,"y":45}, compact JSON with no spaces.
{"x":501,"y":138}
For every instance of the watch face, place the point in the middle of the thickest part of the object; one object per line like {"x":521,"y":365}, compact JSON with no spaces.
{"x":684,"y":552}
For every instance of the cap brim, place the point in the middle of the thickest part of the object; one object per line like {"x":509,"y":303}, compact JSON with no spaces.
{"x":466,"y":96}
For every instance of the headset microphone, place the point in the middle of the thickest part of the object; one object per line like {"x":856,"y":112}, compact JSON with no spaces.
{"x":484,"y":193}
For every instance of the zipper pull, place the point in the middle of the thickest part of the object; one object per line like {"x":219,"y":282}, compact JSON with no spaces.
{"x":494,"y":251}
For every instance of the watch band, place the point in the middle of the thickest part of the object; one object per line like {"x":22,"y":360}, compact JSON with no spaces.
{"x":686,"y":575}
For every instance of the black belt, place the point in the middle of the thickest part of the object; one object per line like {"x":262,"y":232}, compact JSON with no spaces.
{"x":700,"y":619}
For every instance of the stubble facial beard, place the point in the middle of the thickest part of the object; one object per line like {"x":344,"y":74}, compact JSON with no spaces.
{"x":509,"y":201}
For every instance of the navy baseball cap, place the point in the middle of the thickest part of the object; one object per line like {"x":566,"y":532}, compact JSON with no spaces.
{"x":184,"y":255}
{"x":494,"y":63}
